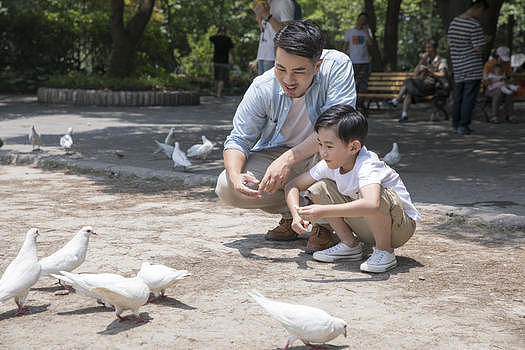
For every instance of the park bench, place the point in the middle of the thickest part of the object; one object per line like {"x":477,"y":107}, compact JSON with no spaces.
{"x":484,"y":101}
{"x":383,"y":86}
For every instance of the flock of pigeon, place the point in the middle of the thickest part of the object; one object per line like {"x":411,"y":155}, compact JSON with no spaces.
{"x":172,"y":150}
{"x":309,"y":324}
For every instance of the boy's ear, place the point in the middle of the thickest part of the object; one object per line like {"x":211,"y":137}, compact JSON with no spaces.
{"x":355,"y":145}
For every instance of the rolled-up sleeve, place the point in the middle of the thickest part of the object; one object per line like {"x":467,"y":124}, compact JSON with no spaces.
{"x":341,"y":88}
{"x":248,"y":122}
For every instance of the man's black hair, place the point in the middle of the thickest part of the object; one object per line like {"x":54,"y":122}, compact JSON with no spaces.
{"x":351,"y":124}
{"x":301,"y":38}
{"x":480,"y":3}
{"x":363,"y":14}
{"x":433,"y":43}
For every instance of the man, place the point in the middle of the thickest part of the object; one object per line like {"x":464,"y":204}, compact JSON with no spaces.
{"x":271,"y":15}
{"x":356,"y":41}
{"x":465,"y":38}
{"x":223,"y":47}
{"x":499,"y":95}
{"x":430,"y":68}
{"x":273,"y":139}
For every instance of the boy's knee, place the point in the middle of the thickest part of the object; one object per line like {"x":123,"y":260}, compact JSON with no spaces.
{"x":319,"y":192}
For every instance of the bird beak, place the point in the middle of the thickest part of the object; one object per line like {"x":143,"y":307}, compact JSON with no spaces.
{"x":345,"y":332}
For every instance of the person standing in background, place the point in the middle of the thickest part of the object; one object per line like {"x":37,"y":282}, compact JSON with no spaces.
{"x":271,"y":15}
{"x":356,"y":41}
{"x":465,"y":39}
{"x":223,"y":48}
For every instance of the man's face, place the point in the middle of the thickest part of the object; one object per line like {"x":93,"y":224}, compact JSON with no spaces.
{"x":294,"y":73}
{"x":361,"y":20}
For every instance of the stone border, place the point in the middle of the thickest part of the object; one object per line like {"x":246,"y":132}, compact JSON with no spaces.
{"x":116,"y":98}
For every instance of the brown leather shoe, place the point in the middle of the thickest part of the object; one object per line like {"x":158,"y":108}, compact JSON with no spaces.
{"x":283,"y":232}
{"x":321,"y":238}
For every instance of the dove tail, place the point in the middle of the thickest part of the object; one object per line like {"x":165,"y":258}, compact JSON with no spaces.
{"x":159,"y":147}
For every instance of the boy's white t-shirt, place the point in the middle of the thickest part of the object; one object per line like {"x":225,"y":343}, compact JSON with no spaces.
{"x":368,"y":169}
{"x":282,"y":11}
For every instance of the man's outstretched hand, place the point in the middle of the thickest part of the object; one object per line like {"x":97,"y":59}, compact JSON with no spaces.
{"x":241,"y":185}
{"x":275,"y":177}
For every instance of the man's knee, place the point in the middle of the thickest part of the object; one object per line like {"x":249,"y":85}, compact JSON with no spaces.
{"x":223,"y":189}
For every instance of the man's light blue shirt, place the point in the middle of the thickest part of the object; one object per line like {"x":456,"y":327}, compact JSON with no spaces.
{"x":261,"y":114}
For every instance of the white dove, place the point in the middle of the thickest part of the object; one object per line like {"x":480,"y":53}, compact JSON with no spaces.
{"x":170,"y":139}
{"x":34,"y":138}
{"x":393,"y":157}
{"x":309,"y":324}
{"x":70,"y":256}
{"x":126,"y":294}
{"x":21,"y":273}
{"x":84,"y":282}
{"x":179,"y":157}
{"x":201,"y":150}
{"x":66,"y":141}
{"x":164,"y":148}
{"x":159,"y":278}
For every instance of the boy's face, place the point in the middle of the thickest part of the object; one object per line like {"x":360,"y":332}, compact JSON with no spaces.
{"x":334,"y":151}
{"x":294,"y":73}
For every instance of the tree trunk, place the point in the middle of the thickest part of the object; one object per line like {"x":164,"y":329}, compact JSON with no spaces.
{"x":509,"y":32}
{"x":391,"y":35}
{"x":376,"y":63}
{"x":126,"y":39}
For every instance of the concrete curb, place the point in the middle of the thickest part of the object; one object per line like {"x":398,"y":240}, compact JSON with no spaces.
{"x":109,"y":169}
{"x":116,"y":98}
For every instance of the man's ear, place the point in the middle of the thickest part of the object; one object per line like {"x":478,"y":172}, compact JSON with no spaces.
{"x":318,"y":66}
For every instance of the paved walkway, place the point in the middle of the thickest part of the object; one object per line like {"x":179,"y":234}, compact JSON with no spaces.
{"x":480,"y":176}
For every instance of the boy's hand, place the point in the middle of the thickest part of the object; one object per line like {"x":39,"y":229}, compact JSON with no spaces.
{"x":311,"y":213}
{"x":299,"y":225}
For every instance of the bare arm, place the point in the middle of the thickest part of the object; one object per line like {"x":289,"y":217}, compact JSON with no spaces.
{"x":262,"y":10}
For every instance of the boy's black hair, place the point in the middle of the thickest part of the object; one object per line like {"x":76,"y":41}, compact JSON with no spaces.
{"x":301,"y":38}
{"x":351,"y":124}
{"x":432,"y":42}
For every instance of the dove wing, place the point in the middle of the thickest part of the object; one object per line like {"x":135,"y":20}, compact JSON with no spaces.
{"x":19,"y":276}
{"x":125,"y":294}
{"x":164,"y":148}
{"x":60,"y":261}
{"x":194,"y":150}
{"x":180,"y":158}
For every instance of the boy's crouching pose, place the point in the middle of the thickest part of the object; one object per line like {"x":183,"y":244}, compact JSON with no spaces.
{"x":358,"y":194}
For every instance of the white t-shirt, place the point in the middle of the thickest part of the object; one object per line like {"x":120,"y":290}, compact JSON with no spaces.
{"x":368,"y":169}
{"x":282,"y":11}
{"x":297,"y":126}
{"x":356,"y":39}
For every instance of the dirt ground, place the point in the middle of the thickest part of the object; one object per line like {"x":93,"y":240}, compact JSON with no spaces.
{"x":459,"y":285}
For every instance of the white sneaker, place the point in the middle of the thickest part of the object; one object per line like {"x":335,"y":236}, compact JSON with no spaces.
{"x":506,"y":90}
{"x":340,"y":252}
{"x":379,"y":261}
{"x":513,"y":87}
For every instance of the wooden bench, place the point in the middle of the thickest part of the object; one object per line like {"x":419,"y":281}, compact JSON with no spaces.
{"x":383,"y":86}
{"x":484,"y":101}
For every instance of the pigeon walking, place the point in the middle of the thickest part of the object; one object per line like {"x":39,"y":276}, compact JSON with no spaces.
{"x":201,"y":150}
{"x":159,"y":278}
{"x":21,"y":273}
{"x":82,"y":283}
{"x":70,"y":256}
{"x":179,"y":157}
{"x":393,"y":157}
{"x":126,"y":294}
{"x":34,"y":139}
{"x":309,"y":324}
{"x":66,"y":141}
{"x":164,"y":148}
{"x":170,"y":139}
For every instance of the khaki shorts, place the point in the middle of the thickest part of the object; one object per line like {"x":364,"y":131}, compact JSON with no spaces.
{"x":403,"y":226}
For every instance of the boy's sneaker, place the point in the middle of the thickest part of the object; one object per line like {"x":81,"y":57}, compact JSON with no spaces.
{"x":340,"y":252}
{"x":379,"y":261}
{"x":392,"y":103}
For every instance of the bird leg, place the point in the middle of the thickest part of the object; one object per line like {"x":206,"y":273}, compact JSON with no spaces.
{"x":315,"y":347}
{"x":21,"y":309}
{"x":120,"y":318}
{"x":154,"y":298}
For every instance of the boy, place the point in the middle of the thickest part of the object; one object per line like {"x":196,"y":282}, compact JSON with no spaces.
{"x":355,"y":192}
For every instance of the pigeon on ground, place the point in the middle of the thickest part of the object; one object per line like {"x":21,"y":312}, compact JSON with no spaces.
{"x":66,"y":141}
{"x":82,"y":283}
{"x":164,"y":148}
{"x":170,"y":139}
{"x":393,"y":157}
{"x":21,"y":273}
{"x":309,"y":324}
{"x":179,"y":157}
{"x":201,"y":150}
{"x":34,"y":139}
{"x":126,"y":294}
{"x":70,"y":256}
{"x":159,"y":278}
